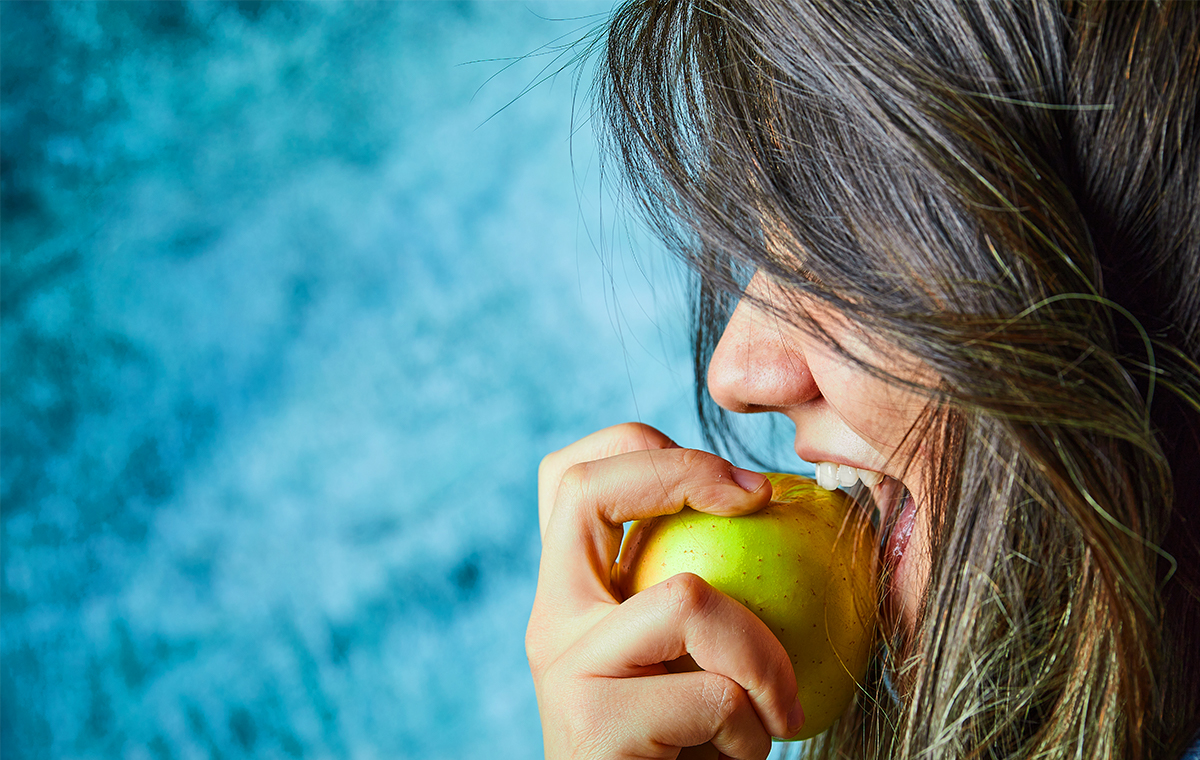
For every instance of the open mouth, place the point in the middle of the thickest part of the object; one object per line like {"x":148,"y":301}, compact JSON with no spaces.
{"x":894,"y":515}
{"x":892,"y":511}
{"x":830,"y":476}
{"x":888,"y":502}
{"x":897,"y":532}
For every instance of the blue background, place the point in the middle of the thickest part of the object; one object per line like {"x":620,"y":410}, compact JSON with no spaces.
{"x":294,"y":299}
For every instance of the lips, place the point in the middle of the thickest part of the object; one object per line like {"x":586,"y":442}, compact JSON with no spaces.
{"x":901,"y":531}
{"x":897,"y":511}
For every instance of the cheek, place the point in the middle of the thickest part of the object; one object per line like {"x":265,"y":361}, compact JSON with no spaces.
{"x":878,"y":411}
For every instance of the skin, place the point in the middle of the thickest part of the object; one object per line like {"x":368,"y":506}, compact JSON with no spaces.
{"x":842,"y":413}
{"x":795,"y":565}
{"x":597,"y":663}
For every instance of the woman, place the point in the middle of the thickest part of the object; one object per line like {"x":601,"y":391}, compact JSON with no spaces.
{"x":966,"y":243}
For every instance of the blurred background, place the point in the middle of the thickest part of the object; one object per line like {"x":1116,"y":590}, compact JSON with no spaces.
{"x":294,"y":299}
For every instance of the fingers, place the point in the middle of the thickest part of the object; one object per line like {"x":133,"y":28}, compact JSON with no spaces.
{"x":655,"y":716}
{"x":595,"y":498}
{"x":597,"y":663}
{"x":684,"y":710}
{"x":619,"y":439}
{"x":685,"y":615}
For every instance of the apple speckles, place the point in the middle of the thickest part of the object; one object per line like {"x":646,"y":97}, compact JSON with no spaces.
{"x":788,"y":543}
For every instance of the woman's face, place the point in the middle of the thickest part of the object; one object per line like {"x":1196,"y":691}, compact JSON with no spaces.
{"x":845,"y":417}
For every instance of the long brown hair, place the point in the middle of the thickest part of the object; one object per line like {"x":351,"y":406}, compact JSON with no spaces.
{"x":1010,"y":193}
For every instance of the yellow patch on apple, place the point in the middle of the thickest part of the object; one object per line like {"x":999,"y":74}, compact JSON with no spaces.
{"x":804,"y":564}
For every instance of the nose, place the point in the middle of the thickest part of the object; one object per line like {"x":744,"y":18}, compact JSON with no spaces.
{"x":759,"y":364}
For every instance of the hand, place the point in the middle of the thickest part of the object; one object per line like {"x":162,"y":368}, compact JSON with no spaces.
{"x":597,"y":662}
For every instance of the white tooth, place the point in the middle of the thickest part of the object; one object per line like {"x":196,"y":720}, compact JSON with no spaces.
{"x":847,"y":475}
{"x":869,"y":478}
{"x":827,"y":475}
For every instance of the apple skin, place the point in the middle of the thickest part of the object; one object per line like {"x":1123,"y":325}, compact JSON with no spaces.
{"x":804,"y":564}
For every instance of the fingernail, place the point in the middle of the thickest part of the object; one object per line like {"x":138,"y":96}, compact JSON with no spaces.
{"x":795,"y":719}
{"x":751,"y":481}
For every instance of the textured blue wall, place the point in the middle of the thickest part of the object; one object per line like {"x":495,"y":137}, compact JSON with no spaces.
{"x":288,"y":322}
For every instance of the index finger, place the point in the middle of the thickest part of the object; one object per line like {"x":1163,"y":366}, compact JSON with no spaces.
{"x":611,"y":441}
{"x":596,"y":498}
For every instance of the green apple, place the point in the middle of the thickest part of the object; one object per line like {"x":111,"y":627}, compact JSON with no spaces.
{"x":804,"y":564}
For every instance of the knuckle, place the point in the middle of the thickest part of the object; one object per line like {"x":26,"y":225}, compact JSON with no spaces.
{"x":701,"y":471}
{"x":634,"y":436}
{"x":731,"y":707}
{"x":694,"y":458}
{"x":690,"y":595}
{"x":631,"y":430}
{"x":534,"y":646}
{"x":726,"y":698}
{"x":540,"y":641}
{"x":575,"y":479}
{"x":548,"y":464}
{"x":552,"y":464}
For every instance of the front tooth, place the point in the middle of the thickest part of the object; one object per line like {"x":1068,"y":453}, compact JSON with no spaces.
{"x":830,"y":476}
{"x":847,"y":475}
{"x":827,"y":475}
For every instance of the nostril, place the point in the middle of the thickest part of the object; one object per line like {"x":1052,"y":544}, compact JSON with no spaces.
{"x":759,"y":376}
{"x":759,"y":364}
